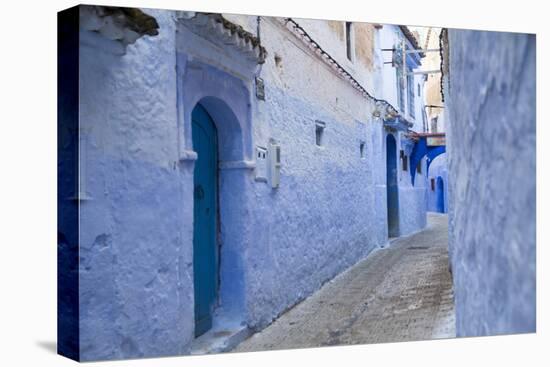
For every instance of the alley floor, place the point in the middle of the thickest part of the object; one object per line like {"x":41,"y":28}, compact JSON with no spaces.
{"x":402,"y":292}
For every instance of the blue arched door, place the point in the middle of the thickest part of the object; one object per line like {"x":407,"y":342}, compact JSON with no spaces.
{"x":391,"y":186}
{"x":440,"y":195}
{"x":205,"y":217}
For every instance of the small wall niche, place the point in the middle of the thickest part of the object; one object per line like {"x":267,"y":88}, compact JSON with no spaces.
{"x":319,"y":133}
{"x":404,"y":160}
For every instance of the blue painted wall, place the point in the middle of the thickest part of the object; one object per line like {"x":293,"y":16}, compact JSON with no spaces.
{"x":392,"y":187}
{"x":68,"y":332}
{"x":135,"y":254}
{"x":490,"y":99}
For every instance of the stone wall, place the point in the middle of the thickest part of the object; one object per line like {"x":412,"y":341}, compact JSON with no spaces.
{"x":490,"y":99}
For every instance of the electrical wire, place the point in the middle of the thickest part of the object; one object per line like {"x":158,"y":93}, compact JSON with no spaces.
{"x":332,"y":62}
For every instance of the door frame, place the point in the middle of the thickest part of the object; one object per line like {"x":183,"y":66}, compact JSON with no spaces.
{"x":201,"y":285}
{"x":392,"y":186}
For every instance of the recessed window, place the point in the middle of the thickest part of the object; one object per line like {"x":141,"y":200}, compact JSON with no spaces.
{"x":278,"y":60}
{"x":348,"y":41}
{"x":319,"y":133}
{"x":432,"y":182}
{"x":419,"y":167}
{"x":404,"y":160}
{"x":418,"y":88}
{"x":362,"y":149}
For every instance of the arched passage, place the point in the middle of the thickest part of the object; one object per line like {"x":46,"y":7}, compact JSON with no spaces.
{"x":391,"y":186}
{"x":422,"y":149}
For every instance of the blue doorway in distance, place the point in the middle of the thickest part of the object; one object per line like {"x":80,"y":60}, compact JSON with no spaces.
{"x":391,"y":186}
{"x":440,"y":195}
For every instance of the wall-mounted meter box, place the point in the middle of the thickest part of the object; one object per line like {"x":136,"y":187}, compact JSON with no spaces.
{"x":261,"y":164}
{"x":275,"y":164}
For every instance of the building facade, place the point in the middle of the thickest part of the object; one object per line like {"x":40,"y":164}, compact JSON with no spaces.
{"x":492,"y":163}
{"x":228,"y":166}
{"x":405,"y":90}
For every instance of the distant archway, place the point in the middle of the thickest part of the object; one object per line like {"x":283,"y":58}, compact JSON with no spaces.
{"x":421,"y":149}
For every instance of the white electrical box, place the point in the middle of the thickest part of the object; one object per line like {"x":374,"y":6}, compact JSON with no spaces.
{"x":275,"y":164}
{"x":261,"y":164}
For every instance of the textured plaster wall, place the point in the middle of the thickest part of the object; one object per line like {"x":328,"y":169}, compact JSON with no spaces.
{"x":322,"y":217}
{"x":490,"y":99}
{"x":134,"y":246}
{"x":362,"y":64}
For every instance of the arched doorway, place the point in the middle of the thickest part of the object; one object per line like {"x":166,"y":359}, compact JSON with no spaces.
{"x":220,"y":178}
{"x":391,"y":186}
{"x":225,"y":100}
{"x":440,"y":195}
{"x":205,"y":218}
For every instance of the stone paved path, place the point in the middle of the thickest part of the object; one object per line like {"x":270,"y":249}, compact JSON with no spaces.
{"x":400,"y":293}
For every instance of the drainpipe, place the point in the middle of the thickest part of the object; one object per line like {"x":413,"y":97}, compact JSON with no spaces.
{"x":258,"y":28}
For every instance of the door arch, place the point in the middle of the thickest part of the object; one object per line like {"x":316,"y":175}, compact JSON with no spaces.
{"x":392,"y":187}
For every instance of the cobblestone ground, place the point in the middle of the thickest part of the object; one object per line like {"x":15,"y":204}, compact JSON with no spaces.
{"x":399,"y":293}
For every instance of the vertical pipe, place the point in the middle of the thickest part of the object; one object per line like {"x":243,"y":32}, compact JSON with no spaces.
{"x":404,"y":72}
{"x":258,"y":28}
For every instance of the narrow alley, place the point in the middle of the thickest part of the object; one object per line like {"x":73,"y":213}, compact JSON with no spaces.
{"x":399,"y":293}
{"x":231,"y":182}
